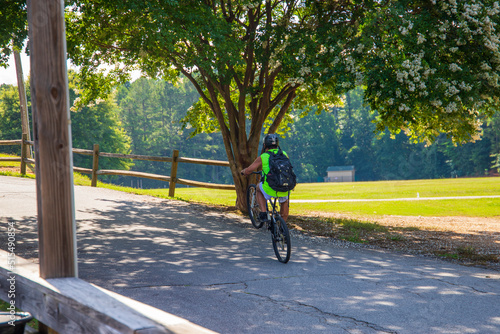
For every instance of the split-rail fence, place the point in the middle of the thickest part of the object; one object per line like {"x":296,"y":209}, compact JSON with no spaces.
{"x":175,"y":159}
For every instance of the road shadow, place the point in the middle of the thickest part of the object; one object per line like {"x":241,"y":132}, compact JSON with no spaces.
{"x":216,"y":270}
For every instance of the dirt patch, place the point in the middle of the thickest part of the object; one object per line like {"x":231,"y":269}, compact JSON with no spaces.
{"x":468,"y":240}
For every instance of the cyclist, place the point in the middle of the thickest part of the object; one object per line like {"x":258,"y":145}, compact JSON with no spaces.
{"x":264,"y":191}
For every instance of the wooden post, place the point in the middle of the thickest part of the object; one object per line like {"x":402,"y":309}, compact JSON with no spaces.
{"x":173,"y":173}
{"x":24,"y":153}
{"x":52,"y":138}
{"x":22,"y":97}
{"x":95,"y":165}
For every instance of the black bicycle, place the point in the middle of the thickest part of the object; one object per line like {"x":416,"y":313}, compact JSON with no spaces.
{"x":277,"y":225}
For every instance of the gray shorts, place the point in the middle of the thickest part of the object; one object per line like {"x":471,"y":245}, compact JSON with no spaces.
{"x":268,"y":197}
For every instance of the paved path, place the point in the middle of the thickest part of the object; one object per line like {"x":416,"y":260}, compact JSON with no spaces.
{"x":219,"y":272}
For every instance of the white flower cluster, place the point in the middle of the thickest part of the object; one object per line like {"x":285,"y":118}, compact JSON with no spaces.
{"x":451,"y":107}
{"x":420,"y":38}
{"x":454,"y":67}
{"x":403,"y":107}
{"x":436,"y":103}
{"x":304,"y":71}
{"x":251,"y":5}
{"x":492,"y":78}
{"x":412,"y":74}
{"x":274,"y":59}
{"x":465,"y":86}
{"x":406,"y":27}
{"x":475,"y":21}
{"x":296,"y":81}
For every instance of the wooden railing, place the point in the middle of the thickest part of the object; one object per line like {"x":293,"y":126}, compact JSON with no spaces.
{"x":175,"y":159}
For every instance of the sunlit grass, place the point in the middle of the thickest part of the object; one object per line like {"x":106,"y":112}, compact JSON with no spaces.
{"x":486,"y":207}
{"x":399,"y":189}
{"x":12,"y":168}
{"x":483,"y":207}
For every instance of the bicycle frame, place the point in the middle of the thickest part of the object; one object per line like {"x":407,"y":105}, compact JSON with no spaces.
{"x":274,"y":210}
{"x":271,"y":202}
{"x":277,"y":225}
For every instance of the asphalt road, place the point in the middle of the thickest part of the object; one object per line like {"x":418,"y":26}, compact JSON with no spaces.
{"x":219,"y":272}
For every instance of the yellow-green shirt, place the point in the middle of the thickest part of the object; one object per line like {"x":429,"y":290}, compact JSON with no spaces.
{"x":265,"y":168}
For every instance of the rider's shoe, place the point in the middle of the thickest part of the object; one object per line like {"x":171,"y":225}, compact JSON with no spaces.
{"x":263,"y":217}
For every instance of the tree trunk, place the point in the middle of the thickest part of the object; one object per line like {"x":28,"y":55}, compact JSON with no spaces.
{"x":239,"y":161}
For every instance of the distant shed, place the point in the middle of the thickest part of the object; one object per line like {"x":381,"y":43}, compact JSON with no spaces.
{"x":340,"y":174}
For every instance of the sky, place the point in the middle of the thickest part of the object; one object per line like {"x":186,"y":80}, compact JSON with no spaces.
{"x":8,"y":75}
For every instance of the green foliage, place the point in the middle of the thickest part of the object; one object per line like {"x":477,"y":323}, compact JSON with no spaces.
{"x":13,"y":28}
{"x":96,"y":123}
{"x":152,"y":112}
{"x":415,"y":59}
{"x":10,"y":118}
{"x":347,"y":136}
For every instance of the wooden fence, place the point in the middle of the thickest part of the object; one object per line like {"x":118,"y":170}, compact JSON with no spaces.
{"x":175,"y":159}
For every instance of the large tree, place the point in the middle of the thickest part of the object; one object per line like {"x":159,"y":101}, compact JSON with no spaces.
{"x":429,"y":66}
{"x":251,"y":60}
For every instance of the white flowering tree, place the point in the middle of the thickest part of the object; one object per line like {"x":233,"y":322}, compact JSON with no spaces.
{"x":428,"y":66}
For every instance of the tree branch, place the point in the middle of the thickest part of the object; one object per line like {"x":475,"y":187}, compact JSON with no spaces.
{"x":282,"y":112}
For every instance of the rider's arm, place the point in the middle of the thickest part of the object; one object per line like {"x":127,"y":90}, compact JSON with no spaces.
{"x":256,"y":165}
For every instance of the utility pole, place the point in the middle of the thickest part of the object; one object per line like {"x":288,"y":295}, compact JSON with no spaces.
{"x":23,"y":102}
{"x":52,"y":138}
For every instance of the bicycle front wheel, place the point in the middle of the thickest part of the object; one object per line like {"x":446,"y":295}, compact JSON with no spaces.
{"x":253,"y":206}
{"x":281,"y":240}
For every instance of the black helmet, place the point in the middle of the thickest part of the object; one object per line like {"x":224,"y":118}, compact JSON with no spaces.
{"x":271,"y":141}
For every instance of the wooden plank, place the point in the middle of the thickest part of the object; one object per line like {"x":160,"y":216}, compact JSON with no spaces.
{"x":10,"y":142}
{"x":82,"y":170}
{"x":71,"y":305}
{"x":205,"y":184}
{"x":52,"y":137}
{"x":135,"y":156}
{"x":81,"y":151}
{"x":10,"y":159}
{"x":204,"y":162}
{"x":133,"y":173}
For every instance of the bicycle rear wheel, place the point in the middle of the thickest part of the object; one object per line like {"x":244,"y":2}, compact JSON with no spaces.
{"x":281,"y":240}
{"x":253,"y":206}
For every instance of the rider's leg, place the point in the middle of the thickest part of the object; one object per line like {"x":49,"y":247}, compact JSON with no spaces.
{"x":284,"y":210}
{"x":261,"y":200}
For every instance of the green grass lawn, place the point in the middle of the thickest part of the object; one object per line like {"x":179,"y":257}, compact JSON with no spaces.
{"x":486,"y":207}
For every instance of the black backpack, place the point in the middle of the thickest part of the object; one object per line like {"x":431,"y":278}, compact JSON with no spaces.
{"x":281,"y":176}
